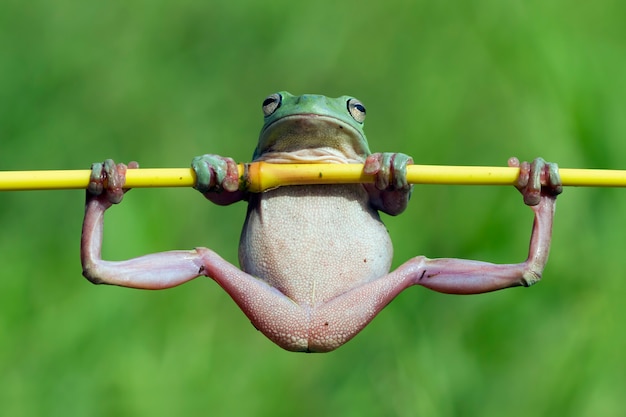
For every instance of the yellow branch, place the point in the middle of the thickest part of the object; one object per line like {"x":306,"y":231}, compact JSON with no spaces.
{"x":260,"y":176}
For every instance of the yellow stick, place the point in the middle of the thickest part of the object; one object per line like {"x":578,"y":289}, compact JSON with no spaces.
{"x":260,"y":176}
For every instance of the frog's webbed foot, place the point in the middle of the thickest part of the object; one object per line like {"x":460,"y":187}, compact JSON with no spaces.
{"x":391,"y":191}
{"x":537,"y":179}
{"x":217,"y":178}
{"x":215,"y":173}
{"x":106,"y":182}
{"x":389,"y":170}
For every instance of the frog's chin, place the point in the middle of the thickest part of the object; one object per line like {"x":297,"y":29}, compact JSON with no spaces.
{"x":309,"y":131}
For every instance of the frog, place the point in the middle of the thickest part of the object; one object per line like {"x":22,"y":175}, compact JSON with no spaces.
{"x":315,"y":260}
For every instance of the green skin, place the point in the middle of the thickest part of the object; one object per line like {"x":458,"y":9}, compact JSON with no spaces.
{"x":315,"y":259}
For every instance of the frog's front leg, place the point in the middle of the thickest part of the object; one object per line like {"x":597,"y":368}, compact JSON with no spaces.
{"x":390,"y":192}
{"x":539,"y":183}
{"x":217,"y":178}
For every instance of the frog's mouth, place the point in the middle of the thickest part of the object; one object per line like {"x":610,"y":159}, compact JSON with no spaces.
{"x":310,"y":131}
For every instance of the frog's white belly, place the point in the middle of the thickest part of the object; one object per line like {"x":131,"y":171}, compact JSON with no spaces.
{"x":313,"y":243}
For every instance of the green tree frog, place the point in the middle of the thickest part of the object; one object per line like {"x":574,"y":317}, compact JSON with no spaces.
{"x":315,"y":259}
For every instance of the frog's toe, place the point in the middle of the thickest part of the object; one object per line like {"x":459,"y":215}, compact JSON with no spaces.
{"x":537,"y":178}
{"x":96,"y":179}
{"x":399,"y":163}
{"x":554,"y":185}
{"x":107,"y":179}
{"x":378,"y":164}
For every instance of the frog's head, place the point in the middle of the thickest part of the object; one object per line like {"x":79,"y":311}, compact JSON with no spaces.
{"x":309,"y":121}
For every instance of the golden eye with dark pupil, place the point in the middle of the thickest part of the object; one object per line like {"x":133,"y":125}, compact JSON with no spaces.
{"x":356,"y":110}
{"x":271,"y":103}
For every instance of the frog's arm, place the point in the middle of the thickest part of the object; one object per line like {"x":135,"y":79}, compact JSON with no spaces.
{"x":390,"y":192}
{"x":217,"y":178}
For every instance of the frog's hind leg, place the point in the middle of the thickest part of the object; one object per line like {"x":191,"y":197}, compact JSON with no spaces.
{"x":320,"y":328}
{"x":274,"y":314}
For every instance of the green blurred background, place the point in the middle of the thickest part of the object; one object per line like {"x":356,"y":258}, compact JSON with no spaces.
{"x":449,"y":82}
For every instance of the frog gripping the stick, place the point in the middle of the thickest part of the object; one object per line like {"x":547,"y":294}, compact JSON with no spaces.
{"x":315,"y":259}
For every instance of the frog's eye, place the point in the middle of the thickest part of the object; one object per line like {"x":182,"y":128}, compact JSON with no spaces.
{"x":271,"y":103}
{"x":357,"y":110}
